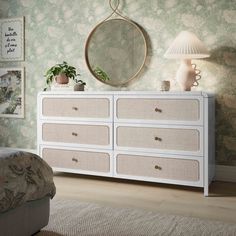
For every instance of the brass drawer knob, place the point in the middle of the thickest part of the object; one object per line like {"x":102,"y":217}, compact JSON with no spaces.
{"x":158,"y":139}
{"x":75,"y":159}
{"x":158,"y":109}
{"x":75,"y":108}
{"x":74,"y":134}
{"x":157,"y":167}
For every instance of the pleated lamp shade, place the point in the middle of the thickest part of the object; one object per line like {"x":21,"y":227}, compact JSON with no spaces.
{"x":186,"y":46}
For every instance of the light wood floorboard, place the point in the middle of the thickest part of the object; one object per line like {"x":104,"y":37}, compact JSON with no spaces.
{"x":171,"y":199}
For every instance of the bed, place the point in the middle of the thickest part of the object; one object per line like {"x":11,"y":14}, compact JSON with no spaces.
{"x":26,"y":187}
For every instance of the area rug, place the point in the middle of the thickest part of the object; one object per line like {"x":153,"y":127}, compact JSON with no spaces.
{"x":75,"y":218}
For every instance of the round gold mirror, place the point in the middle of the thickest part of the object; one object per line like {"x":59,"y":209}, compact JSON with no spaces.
{"x":115,"y":51}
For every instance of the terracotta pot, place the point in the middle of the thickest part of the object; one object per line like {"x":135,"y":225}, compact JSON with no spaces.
{"x":62,"y":79}
{"x":79,"y":87}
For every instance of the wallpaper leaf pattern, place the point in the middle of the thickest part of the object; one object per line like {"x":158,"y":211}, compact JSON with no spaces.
{"x":56,"y":30}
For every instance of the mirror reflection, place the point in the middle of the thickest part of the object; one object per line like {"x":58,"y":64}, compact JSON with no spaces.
{"x":115,"y":51}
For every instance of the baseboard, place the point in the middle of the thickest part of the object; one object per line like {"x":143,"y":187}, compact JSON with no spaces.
{"x":225,"y":173}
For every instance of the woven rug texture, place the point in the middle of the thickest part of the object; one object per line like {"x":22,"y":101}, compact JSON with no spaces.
{"x":75,"y":218}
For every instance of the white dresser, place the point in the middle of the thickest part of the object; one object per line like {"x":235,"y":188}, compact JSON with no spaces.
{"x":165,"y":137}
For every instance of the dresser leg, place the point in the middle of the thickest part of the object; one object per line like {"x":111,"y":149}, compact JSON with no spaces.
{"x":206,"y":190}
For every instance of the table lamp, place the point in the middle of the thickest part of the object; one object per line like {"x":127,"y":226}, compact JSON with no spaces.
{"x":187,"y":46}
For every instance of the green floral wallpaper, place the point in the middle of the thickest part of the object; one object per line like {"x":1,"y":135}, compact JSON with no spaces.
{"x":56,"y":30}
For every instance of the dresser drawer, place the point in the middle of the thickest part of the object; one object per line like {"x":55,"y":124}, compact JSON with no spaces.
{"x":76,"y":107}
{"x":151,"y":138}
{"x":76,"y":159}
{"x":159,"y":109}
{"x":158,"y":167}
{"x":94,"y":134}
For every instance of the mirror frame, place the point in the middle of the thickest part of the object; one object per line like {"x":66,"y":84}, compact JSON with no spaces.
{"x":143,"y":62}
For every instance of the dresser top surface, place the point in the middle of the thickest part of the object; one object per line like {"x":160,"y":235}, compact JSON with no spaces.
{"x":157,"y":93}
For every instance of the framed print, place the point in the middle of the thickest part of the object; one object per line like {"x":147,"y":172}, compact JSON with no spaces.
{"x":12,"y":39}
{"x":12,"y":92}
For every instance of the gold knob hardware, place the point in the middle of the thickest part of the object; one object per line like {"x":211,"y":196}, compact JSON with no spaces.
{"x":157,"y":139}
{"x":74,"y":159}
{"x":157,"y":167}
{"x":75,"y":108}
{"x":158,"y":110}
{"x":74,"y":134}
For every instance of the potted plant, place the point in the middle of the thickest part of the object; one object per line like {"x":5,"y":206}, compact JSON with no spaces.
{"x":61,"y":73}
{"x":79,"y":86}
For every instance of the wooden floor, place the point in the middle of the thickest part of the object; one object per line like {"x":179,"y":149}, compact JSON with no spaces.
{"x":178,"y":200}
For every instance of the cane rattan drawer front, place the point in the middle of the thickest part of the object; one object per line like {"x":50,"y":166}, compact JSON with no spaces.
{"x":80,"y":160}
{"x":76,"y":133}
{"x":158,"y":109}
{"x":179,"y":139}
{"x":76,"y":107}
{"x":158,"y":167}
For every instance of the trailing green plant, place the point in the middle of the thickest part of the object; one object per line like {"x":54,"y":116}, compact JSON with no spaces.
{"x":80,"y":82}
{"x":62,"y":68}
{"x":101,"y":74}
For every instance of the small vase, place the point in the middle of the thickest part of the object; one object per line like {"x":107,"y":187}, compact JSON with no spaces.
{"x":79,"y":87}
{"x":62,"y":79}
